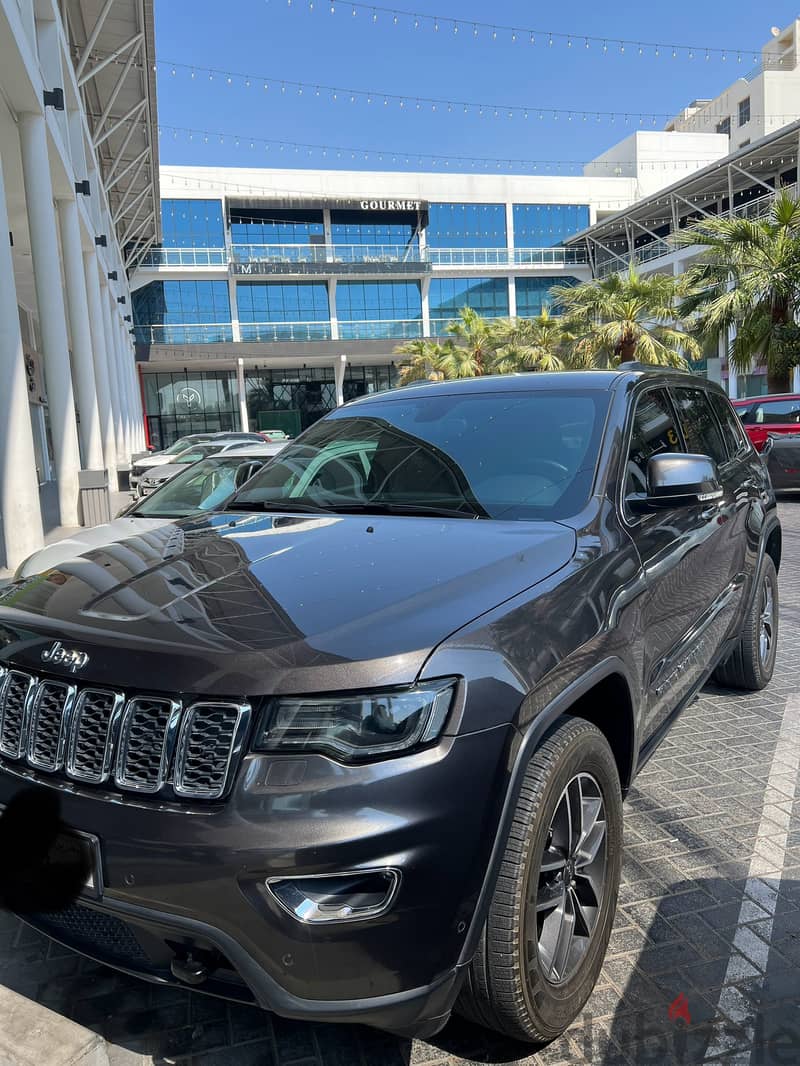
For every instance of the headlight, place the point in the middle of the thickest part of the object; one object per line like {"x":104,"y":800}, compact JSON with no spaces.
{"x":357,"y":726}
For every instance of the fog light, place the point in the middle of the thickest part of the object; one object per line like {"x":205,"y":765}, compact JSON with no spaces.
{"x":345,"y":897}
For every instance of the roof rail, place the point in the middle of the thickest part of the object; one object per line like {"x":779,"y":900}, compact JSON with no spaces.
{"x":652,"y":368}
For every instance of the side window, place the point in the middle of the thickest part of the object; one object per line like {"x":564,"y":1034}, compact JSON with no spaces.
{"x":780,"y":411}
{"x":653,"y":432}
{"x":700,"y":428}
{"x":735,"y":439}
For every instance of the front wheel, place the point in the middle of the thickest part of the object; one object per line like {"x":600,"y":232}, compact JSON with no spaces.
{"x":752,"y":662}
{"x":545,"y":938}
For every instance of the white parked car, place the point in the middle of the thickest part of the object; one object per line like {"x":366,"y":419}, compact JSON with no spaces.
{"x":203,"y":487}
{"x":167,"y":455}
{"x":157,"y":476}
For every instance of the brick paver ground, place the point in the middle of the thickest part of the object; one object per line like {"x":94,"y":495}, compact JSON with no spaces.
{"x":708,"y":925}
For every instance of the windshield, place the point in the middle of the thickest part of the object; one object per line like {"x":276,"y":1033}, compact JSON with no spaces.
{"x":513,"y":455}
{"x":199,"y":451}
{"x":179,"y":446}
{"x":203,"y":487}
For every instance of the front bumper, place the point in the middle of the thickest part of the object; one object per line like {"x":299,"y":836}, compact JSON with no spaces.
{"x":180,"y":881}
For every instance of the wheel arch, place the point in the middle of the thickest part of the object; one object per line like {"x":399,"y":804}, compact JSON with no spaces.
{"x":583,"y":698}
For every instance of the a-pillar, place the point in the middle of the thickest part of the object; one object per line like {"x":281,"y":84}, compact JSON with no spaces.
{"x":101,"y":368}
{"x":80,"y":331}
{"x":117,"y":399}
{"x":52,"y":314}
{"x":20,"y":513}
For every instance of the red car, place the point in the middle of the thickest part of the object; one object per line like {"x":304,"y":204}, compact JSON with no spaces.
{"x":762,"y":415}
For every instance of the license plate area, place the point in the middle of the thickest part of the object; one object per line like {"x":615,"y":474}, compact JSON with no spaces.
{"x":72,"y":846}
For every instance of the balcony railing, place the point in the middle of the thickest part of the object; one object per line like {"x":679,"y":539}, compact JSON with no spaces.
{"x":186,"y":333}
{"x":285,"y":331}
{"x":325,"y":253}
{"x":192,"y":257}
{"x":555,"y":256}
{"x":399,"y":329}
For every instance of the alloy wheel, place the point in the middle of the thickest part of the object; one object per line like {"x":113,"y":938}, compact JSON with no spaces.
{"x":566,"y":898}
{"x":766,"y":633}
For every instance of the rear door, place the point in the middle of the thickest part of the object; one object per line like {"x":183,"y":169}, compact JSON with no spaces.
{"x":682,"y":551}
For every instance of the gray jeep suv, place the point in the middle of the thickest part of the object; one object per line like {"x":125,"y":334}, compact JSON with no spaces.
{"x":356,"y":749}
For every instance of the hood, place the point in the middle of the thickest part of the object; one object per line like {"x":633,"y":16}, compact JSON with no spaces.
{"x":156,"y":459}
{"x":237,"y":604}
{"x":86,"y":539}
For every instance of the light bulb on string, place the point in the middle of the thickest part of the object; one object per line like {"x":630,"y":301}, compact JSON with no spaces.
{"x":455,"y":28}
{"x":569,"y":42}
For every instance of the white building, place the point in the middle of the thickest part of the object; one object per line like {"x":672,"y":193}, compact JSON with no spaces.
{"x":78,"y":203}
{"x":759,"y":102}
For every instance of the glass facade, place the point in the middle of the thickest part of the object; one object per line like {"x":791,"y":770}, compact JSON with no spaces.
{"x":182,"y":312}
{"x":203,"y":401}
{"x":293,"y":398}
{"x":542,"y":225}
{"x":273,"y":226}
{"x":192,"y":224}
{"x":376,"y":227}
{"x":282,"y":302}
{"x":487,"y":296}
{"x":378,"y":309}
{"x":533,"y":294}
{"x":467,"y":226}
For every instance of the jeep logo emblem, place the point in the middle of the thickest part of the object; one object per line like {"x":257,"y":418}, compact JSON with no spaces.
{"x":61,"y":656}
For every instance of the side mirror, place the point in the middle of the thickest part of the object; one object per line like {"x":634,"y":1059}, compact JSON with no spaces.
{"x":676,"y":479}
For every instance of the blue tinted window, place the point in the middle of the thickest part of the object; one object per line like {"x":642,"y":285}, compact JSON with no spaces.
{"x":534,"y":293}
{"x":487,"y":296}
{"x":192,"y":224}
{"x":375,"y":227}
{"x":467,"y":226}
{"x":367,"y":301}
{"x":279,"y":301}
{"x":275,"y":226}
{"x":542,"y":225}
{"x":170,"y":305}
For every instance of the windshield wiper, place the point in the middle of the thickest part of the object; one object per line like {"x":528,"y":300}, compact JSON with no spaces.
{"x":406,"y":509}
{"x":274,"y":505}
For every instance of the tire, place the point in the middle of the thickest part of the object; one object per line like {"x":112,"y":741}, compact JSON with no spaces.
{"x":749,"y":667}
{"x":509,"y":985}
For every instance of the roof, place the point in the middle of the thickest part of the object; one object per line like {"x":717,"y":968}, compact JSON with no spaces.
{"x":776,"y":151}
{"x":113,"y":45}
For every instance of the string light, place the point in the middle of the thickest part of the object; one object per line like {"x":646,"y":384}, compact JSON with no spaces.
{"x":556,"y":167}
{"x":400,"y":15}
{"x":443,"y":105}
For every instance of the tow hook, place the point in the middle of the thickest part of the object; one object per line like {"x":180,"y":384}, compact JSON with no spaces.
{"x":189,"y":970}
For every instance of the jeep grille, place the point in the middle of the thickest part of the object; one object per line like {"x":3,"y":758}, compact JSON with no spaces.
{"x":101,"y":737}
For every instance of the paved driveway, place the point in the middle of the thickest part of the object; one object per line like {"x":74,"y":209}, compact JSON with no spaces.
{"x":704,"y":961}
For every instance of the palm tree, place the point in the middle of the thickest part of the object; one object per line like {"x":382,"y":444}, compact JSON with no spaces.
{"x":475,"y":334}
{"x":425,"y":364}
{"x":522,"y":344}
{"x":627,"y":317}
{"x":748,"y":279}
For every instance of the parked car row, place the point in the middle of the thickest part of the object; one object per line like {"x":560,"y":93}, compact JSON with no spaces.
{"x":185,"y":447}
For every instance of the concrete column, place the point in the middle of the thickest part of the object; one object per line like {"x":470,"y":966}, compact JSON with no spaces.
{"x":338,"y":378}
{"x":102,"y":374}
{"x":512,"y":297}
{"x":124,"y":386}
{"x":332,"y":313}
{"x":20,"y":513}
{"x":244,"y":418}
{"x":426,"y":306}
{"x":117,"y":399}
{"x":796,"y":379}
{"x":52,"y":314}
{"x":80,"y":331}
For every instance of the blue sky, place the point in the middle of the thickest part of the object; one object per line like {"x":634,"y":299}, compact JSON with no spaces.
{"x":302,"y":41}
